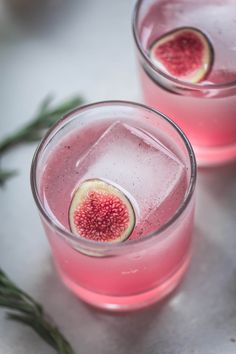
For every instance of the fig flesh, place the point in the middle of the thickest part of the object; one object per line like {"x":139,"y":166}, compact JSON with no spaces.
{"x":101,"y":212}
{"x":184,"y":53}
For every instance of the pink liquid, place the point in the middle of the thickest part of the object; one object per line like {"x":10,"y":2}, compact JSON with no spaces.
{"x":143,"y":273}
{"x":208,"y":117}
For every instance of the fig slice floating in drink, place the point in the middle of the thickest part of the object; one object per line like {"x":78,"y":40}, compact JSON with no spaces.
{"x":101,"y":212}
{"x":184,"y":53}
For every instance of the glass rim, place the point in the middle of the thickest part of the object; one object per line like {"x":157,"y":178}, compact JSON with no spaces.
{"x":191,"y":86}
{"x":111,"y":246}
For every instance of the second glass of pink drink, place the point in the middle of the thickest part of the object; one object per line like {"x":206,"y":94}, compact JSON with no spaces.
{"x":187,"y":62}
{"x":114,"y":184}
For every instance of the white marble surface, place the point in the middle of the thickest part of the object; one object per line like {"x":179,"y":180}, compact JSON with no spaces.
{"x":86,"y":47}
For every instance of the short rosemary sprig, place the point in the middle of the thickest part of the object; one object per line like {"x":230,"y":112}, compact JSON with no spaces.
{"x":26,"y":310}
{"x":45,"y":117}
{"x":35,"y":129}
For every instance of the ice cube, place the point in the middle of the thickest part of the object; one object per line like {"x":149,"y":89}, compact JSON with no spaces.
{"x":139,"y":165}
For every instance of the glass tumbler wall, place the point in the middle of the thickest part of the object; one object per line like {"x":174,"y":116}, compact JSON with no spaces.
{"x":206,"y":111}
{"x":88,"y":143}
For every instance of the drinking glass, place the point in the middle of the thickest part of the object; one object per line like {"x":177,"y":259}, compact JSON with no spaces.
{"x":137,"y":272}
{"x":206,"y":111}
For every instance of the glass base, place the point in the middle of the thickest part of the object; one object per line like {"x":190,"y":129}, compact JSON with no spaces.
{"x":127,"y":303}
{"x":214,"y":155}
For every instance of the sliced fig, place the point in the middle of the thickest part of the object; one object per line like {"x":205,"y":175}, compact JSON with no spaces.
{"x":101,"y":212}
{"x":185,"y":53}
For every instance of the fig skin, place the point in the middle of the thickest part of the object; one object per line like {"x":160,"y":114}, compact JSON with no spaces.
{"x":190,"y":63}
{"x":101,"y":212}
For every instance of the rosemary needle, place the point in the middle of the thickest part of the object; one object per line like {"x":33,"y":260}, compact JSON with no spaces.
{"x":5,"y":175}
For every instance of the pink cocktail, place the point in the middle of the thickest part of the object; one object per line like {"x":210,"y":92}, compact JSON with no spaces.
{"x":143,"y":155}
{"x":205,"y":108}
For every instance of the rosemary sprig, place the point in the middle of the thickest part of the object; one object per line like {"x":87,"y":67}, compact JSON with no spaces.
{"x":45,"y":117}
{"x":26,"y":310}
{"x":35,"y":129}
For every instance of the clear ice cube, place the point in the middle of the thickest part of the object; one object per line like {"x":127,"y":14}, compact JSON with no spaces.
{"x":148,"y":173}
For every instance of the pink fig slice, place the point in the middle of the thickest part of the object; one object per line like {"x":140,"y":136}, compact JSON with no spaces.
{"x":101,"y":212}
{"x":185,"y":54}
